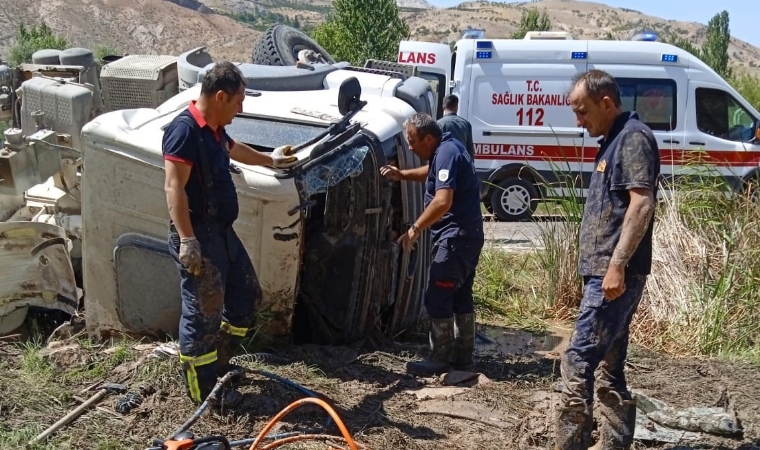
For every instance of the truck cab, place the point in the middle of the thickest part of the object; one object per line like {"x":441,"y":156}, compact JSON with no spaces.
{"x":321,"y":234}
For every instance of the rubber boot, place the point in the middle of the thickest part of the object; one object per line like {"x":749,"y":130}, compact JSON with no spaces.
{"x":227,"y":344}
{"x":617,"y":420}
{"x":573,"y":426}
{"x":464,"y":341}
{"x":441,"y":339}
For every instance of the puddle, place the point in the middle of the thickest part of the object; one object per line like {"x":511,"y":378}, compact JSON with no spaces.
{"x":499,"y":341}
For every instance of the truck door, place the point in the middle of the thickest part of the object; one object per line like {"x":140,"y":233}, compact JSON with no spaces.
{"x":659,"y":96}
{"x":527,"y":142}
{"x":722,"y":132}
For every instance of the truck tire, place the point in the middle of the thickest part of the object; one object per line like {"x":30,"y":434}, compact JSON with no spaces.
{"x":280,"y":44}
{"x":514,"y":199}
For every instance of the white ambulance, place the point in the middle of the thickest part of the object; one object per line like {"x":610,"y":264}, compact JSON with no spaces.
{"x":528,"y":145}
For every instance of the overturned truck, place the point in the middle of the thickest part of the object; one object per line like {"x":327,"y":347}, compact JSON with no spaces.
{"x":84,"y":217}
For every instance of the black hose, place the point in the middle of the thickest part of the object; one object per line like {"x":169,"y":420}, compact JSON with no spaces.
{"x":211,"y":399}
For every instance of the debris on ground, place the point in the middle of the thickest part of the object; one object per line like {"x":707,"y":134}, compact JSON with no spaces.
{"x":469,"y":411}
{"x":508,"y":395}
{"x":718,"y":420}
{"x":464,"y":379}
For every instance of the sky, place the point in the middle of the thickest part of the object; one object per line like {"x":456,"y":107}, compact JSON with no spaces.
{"x":742,"y":20}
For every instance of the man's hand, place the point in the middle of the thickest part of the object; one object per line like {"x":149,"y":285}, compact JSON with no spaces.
{"x":190,"y":254}
{"x":283,"y":157}
{"x":409,"y":239}
{"x":613,"y":284}
{"x":392,"y":173}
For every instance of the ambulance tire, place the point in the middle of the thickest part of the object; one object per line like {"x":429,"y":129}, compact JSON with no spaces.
{"x":514,"y":199}
{"x":280,"y":44}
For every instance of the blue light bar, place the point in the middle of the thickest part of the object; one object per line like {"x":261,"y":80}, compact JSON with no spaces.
{"x":580,"y":55}
{"x":669,"y":58}
{"x":483,"y":55}
{"x":484,"y":44}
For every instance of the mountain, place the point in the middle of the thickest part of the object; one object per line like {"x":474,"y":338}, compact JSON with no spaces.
{"x":229,"y":28}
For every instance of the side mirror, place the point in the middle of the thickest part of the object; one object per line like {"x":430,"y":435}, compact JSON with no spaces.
{"x":757,"y":133}
{"x":349,"y":95}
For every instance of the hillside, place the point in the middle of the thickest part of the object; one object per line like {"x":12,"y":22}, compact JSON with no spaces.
{"x":172,"y":26}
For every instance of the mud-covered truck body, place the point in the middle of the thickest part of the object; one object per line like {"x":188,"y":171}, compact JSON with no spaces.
{"x":322,"y":234}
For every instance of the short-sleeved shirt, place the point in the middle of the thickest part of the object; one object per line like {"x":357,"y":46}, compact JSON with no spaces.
{"x":452,"y":167}
{"x":460,"y":130}
{"x":628,"y":159}
{"x":180,"y":145}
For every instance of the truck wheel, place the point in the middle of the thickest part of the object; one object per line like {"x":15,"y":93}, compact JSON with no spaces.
{"x":280,"y":45}
{"x":514,"y":199}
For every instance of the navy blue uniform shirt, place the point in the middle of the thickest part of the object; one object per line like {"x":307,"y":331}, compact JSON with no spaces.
{"x":629,"y":158}
{"x":179,"y":145}
{"x":452,"y":167}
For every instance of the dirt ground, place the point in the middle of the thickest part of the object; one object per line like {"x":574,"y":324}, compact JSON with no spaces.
{"x":369,"y":389}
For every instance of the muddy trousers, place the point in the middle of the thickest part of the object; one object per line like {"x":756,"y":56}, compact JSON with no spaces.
{"x":452,"y":274}
{"x":218,"y":305}
{"x":449,"y":303}
{"x":599,"y":341}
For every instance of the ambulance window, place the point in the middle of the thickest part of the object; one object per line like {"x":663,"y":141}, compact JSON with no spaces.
{"x":653,"y":100}
{"x":720,"y":115}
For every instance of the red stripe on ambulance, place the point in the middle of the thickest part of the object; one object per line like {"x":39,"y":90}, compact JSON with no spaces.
{"x":569,"y":153}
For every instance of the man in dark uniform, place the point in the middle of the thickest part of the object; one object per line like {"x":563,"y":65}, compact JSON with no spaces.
{"x":219,"y":287}
{"x":452,"y":212}
{"x":458,"y":126}
{"x":615,"y":259}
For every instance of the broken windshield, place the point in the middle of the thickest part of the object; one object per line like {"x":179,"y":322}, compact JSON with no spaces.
{"x":331,"y":170}
{"x":269,"y":133}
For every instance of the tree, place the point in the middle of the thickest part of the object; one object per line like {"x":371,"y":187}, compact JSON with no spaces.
{"x":748,"y":86}
{"x":31,"y":40}
{"x":715,"y":51}
{"x":532,"y":20}
{"x":362,"y":29}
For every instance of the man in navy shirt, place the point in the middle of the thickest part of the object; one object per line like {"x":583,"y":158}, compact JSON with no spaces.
{"x":615,"y":259}
{"x":219,"y":286}
{"x":452,"y":213}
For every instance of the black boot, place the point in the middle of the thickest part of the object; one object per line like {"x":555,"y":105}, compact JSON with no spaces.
{"x":617,"y":420}
{"x":441,"y":339}
{"x":573,"y":426}
{"x":227,"y":345}
{"x":464,"y":341}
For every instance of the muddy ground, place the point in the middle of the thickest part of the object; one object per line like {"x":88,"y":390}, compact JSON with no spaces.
{"x":368,"y":387}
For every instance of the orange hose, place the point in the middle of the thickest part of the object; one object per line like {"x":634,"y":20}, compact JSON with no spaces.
{"x":295,"y":405}
{"x":303,"y":437}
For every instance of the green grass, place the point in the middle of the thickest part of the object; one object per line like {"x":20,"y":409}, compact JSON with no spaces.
{"x":506,"y":291}
{"x":702,"y":299}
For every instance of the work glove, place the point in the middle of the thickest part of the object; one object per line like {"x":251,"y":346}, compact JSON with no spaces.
{"x":190,"y":254}
{"x":283,"y":157}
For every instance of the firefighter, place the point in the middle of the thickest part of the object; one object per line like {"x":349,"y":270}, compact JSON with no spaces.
{"x":452,"y":214}
{"x":219,"y":286}
{"x":615,"y":260}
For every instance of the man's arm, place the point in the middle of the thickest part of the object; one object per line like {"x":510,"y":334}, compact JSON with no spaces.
{"x":246,"y":155}
{"x":395,"y":174}
{"x":177,"y":174}
{"x":438,"y":206}
{"x":635,"y":224}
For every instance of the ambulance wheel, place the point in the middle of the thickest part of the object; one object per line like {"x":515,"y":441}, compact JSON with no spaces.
{"x":514,"y":199}
{"x":280,"y":45}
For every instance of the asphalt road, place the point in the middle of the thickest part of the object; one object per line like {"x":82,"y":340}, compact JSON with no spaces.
{"x":515,"y":236}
